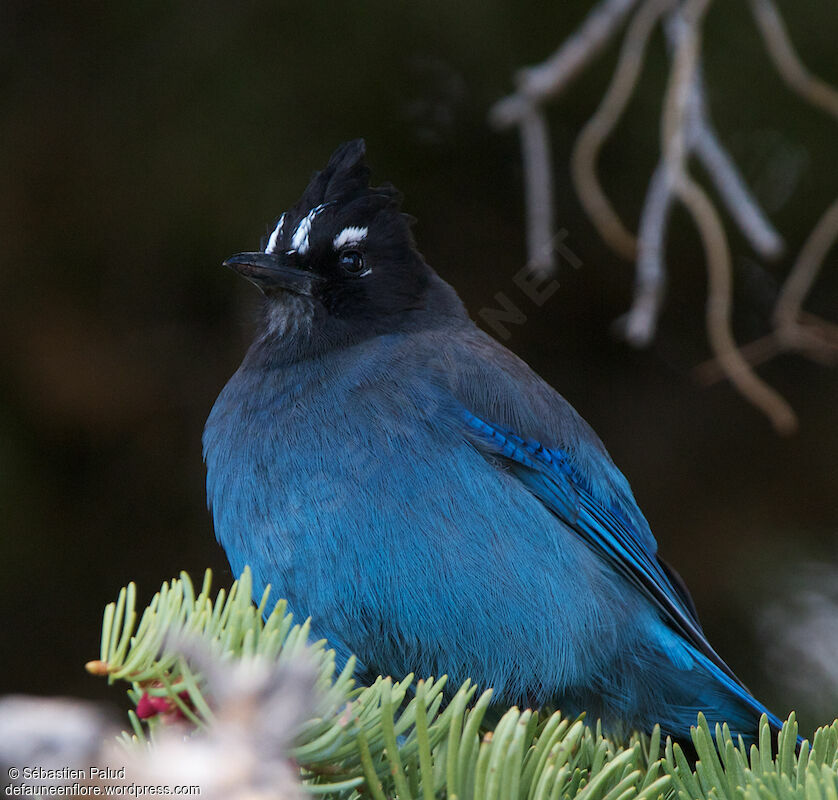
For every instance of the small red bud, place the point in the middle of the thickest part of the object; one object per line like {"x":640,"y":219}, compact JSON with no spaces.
{"x":150,"y":705}
{"x":145,"y":707}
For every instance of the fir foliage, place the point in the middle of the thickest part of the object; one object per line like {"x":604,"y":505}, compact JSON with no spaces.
{"x":396,"y":739}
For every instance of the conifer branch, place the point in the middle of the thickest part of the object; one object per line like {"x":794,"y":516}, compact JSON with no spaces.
{"x":406,"y":739}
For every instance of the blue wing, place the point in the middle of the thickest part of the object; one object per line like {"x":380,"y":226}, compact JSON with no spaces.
{"x":551,"y":476}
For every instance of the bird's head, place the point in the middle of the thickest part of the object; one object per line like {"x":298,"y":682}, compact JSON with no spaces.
{"x":341,"y":264}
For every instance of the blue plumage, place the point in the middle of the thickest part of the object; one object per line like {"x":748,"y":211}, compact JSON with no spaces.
{"x":427,"y":499}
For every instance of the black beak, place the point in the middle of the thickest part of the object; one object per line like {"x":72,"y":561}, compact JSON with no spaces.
{"x":267,"y":271}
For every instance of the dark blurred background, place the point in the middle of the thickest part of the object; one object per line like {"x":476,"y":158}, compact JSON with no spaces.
{"x":142,"y":143}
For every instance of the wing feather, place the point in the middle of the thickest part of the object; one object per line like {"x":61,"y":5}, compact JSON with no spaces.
{"x":550,"y":475}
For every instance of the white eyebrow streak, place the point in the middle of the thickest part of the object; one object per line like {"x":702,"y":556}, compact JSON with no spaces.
{"x":277,"y":232}
{"x":349,"y":236}
{"x":299,"y":241}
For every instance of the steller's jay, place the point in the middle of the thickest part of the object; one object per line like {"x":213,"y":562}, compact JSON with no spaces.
{"x":428,"y":500}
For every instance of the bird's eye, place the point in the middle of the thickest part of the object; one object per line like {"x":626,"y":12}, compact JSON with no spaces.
{"x":352,"y":262}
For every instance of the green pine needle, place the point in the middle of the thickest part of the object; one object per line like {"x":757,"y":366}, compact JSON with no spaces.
{"x":394,"y":739}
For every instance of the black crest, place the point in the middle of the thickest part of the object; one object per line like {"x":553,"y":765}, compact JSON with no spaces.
{"x":344,"y":179}
{"x":348,"y":251}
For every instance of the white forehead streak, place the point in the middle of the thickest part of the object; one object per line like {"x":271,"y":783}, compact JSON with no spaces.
{"x":299,"y":241}
{"x":277,"y":232}
{"x":349,"y":237}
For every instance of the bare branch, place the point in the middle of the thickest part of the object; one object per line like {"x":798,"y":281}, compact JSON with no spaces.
{"x":538,"y":183}
{"x":732,"y":189}
{"x":828,"y":330}
{"x":695,"y":134}
{"x":806,"y":268}
{"x":728,"y":356}
{"x":549,"y":78}
{"x":680,"y":93}
{"x":816,"y":337}
{"x":680,"y":100}
{"x":786,"y":61}
{"x":722,"y":171}
{"x":686,"y":130}
{"x":756,"y":352}
{"x":641,"y":320}
{"x":600,"y":126}
{"x":649,"y":279}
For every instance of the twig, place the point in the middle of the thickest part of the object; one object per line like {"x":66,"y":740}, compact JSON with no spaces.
{"x":695,"y":134}
{"x":806,"y":268}
{"x":538,"y":183}
{"x":641,"y":320}
{"x":786,"y":61}
{"x":602,"y":123}
{"x":736,"y":196}
{"x":728,"y":356}
{"x":756,"y":352}
{"x":649,"y":277}
{"x":687,"y":130}
{"x":814,"y":338}
{"x":549,"y":78}
{"x":787,"y":311}
{"x":704,"y":142}
{"x":681,"y":86}
{"x":794,"y":329}
{"x":680,"y":92}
